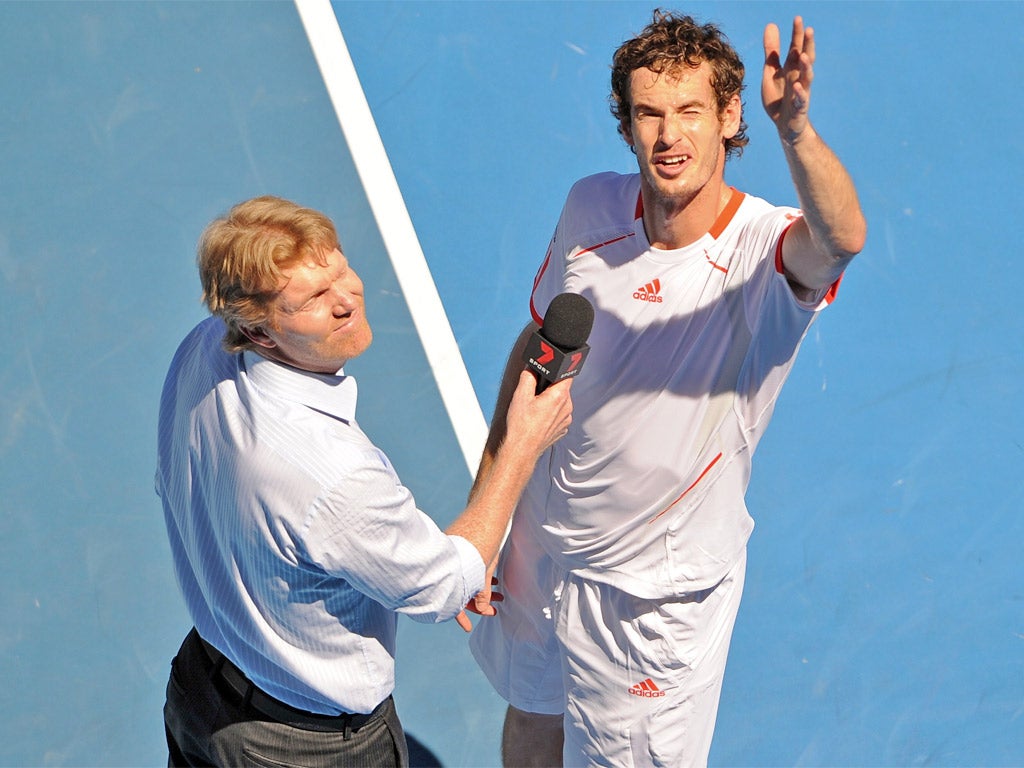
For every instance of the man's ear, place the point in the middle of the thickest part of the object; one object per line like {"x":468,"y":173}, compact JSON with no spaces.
{"x":732,"y":116}
{"x":258,"y":336}
{"x":626,"y":132}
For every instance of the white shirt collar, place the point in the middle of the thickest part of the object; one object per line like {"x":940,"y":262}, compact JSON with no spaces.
{"x":333,"y":394}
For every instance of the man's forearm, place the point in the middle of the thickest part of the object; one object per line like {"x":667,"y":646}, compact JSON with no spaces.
{"x":493,"y":499}
{"x":496,"y":434}
{"x":498,"y":478}
{"x":828,"y":199}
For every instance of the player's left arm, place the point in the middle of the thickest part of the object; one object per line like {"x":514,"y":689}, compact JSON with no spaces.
{"x":833,"y":229}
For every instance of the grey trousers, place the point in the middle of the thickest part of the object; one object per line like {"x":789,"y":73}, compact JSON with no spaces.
{"x":207,"y":724}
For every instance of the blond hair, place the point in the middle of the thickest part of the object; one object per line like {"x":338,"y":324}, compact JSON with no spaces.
{"x":241,"y":257}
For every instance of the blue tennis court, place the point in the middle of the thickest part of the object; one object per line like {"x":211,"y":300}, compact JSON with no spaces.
{"x":883,"y":621}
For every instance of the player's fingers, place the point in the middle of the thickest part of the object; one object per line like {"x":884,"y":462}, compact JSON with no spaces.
{"x":809,"y":43}
{"x":771,"y":45}
{"x":463,"y":621}
{"x":796,"y":43}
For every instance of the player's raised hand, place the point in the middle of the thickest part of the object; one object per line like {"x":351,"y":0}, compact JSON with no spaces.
{"x":786,"y":84}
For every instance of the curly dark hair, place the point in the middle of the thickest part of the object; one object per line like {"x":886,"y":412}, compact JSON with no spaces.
{"x":668,"y":43}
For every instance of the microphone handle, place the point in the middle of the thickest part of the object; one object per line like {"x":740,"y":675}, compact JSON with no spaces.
{"x":542,"y":383}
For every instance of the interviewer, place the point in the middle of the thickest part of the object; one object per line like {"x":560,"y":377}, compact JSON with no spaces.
{"x":294,"y":542}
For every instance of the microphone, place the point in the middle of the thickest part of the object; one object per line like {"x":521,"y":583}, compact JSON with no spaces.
{"x":558,"y":348}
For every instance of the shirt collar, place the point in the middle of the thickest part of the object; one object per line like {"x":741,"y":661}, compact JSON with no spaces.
{"x":330,"y":393}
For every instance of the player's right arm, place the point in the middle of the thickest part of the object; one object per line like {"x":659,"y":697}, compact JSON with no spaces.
{"x":833,"y":229}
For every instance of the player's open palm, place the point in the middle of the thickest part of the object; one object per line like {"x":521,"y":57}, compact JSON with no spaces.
{"x":786,"y":83}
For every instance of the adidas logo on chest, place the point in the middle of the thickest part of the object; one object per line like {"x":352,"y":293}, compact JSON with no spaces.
{"x":651,"y":292}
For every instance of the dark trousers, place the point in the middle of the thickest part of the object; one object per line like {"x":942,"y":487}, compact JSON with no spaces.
{"x":213,"y":719}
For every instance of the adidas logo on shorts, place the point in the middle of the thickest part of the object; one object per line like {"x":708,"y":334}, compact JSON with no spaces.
{"x":647,"y":689}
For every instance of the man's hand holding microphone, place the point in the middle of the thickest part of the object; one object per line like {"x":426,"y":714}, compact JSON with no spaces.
{"x":532,"y":416}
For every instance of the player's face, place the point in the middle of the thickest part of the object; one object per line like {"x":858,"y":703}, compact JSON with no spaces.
{"x":677,"y":132}
{"x":318,"y":318}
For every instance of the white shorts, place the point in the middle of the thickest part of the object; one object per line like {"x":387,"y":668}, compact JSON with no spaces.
{"x":638,"y":680}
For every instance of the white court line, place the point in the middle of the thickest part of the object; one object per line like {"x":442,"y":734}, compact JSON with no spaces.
{"x":395,"y":227}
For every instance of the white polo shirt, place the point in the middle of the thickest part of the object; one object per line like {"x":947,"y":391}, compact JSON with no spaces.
{"x":689,"y":351}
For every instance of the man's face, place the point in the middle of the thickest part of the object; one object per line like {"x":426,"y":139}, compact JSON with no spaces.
{"x":318,"y":318}
{"x":677,"y":132}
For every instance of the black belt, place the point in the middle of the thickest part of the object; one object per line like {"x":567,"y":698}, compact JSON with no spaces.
{"x":250,"y":695}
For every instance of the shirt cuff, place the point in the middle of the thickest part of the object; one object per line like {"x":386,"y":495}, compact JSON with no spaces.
{"x":473,"y":567}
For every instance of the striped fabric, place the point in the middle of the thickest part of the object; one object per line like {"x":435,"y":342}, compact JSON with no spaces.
{"x":293,"y":540}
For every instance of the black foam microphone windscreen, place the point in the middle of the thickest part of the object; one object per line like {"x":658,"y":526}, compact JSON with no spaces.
{"x":558,"y":348}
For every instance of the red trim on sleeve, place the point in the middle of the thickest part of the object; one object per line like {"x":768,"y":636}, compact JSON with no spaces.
{"x":830,"y":296}
{"x":537,"y":318}
{"x":535,"y":315}
{"x":833,"y":290}
{"x":779,"y":266}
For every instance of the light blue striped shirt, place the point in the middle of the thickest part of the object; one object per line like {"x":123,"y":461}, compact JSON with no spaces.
{"x":293,"y":539}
